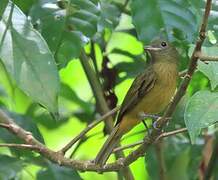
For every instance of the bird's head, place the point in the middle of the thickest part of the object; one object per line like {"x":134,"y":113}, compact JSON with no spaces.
{"x":161,"y":50}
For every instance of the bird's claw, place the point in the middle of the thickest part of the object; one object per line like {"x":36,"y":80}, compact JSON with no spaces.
{"x":155,"y":123}
{"x":143,"y":116}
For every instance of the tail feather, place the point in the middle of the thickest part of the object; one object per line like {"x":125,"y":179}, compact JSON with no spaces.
{"x":108,"y":146}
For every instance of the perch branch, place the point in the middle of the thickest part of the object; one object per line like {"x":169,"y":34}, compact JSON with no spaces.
{"x":20,"y":146}
{"x":163,"y":135}
{"x":205,"y":58}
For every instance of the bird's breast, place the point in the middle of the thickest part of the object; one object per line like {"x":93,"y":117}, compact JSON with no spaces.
{"x":160,"y":95}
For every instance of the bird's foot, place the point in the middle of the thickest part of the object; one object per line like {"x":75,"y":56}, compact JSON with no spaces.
{"x":143,"y":116}
{"x":156,"y":123}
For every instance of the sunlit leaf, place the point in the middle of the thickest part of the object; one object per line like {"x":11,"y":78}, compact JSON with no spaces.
{"x":201,"y":112}
{"x":28,"y":60}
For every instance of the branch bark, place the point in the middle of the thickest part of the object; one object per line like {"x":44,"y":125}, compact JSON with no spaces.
{"x":206,"y":58}
{"x":163,"y":135}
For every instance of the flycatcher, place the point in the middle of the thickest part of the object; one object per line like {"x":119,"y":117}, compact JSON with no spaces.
{"x":150,"y":93}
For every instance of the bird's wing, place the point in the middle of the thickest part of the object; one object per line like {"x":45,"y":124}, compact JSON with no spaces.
{"x":142,"y":84}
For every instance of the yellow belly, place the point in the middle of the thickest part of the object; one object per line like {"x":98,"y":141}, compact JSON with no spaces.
{"x":153,"y":102}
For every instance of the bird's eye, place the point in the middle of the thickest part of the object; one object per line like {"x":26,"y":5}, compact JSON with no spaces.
{"x":163,"y":44}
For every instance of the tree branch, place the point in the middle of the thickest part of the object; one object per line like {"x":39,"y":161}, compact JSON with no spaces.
{"x":163,"y":135}
{"x":21,"y":146}
{"x":87,"y":129}
{"x":206,"y":58}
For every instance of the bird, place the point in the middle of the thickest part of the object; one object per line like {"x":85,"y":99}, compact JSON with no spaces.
{"x":150,"y":93}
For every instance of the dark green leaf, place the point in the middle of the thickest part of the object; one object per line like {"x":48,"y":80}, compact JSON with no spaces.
{"x":28,"y":60}
{"x":56,"y":172}
{"x":178,"y":159}
{"x":10,"y":167}
{"x":25,"y":5}
{"x":3,"y":6}
{"x":73,"y":24}
{"x":211,"y":68}
{"x":110,"y":15}
{"x":201,"y":112}
{"x":151,"y":18}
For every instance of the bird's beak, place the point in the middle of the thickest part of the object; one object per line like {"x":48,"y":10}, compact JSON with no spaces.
{"x":151,"y":48}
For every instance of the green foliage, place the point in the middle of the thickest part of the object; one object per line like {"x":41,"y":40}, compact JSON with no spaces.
{"x":56,"y":172}
{"x":179,"y":163}
{"x":10,"y":167}
{"x":3,"y":7}
{"x":73,"y":22}
{"x":40,"y":46}
{"x":200,"y":112}
{"x":153,"y":18}
{"x":210,"y":68}
{"x":27,"y":58}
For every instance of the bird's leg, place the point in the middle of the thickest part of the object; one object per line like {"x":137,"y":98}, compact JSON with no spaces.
{"x":155,"y":119}
{"x":143,"y":116}
{"x":155,"y":123}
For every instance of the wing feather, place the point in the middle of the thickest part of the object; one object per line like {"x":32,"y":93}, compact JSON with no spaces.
{"x":142,"y":84}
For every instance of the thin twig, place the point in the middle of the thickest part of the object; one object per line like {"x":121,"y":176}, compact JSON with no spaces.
{"x":171,"y":133}
{"x":163,"y":135}
{"x":206,"y":58}
{"x":20,"y":146}
{"x":127,"y":146}
{"x":4,"y":125}
{"x":87,"y":129}
{"x":182,"y":73}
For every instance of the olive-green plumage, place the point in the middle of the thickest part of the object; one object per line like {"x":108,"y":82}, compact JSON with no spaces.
{"x":150,"y":93}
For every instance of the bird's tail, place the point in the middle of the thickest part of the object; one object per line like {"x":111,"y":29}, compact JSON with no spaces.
{"x":108,"y":146}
